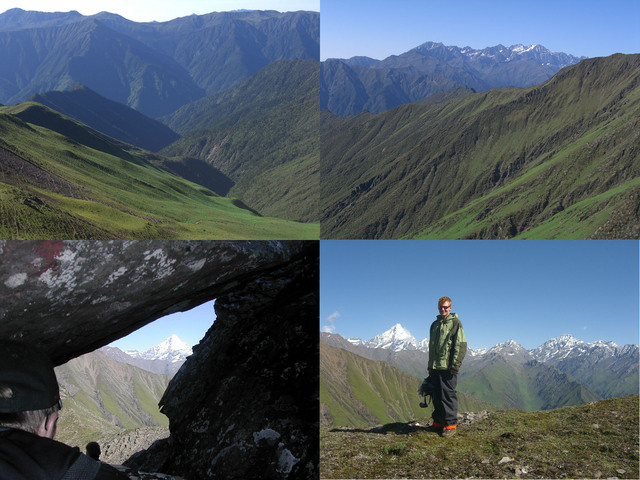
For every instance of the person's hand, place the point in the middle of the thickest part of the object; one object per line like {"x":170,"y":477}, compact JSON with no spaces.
{"x":453,"y":372}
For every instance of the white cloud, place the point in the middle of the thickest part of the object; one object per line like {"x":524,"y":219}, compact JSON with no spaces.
{"x":332,"y":318}
{"x":330,"y":327}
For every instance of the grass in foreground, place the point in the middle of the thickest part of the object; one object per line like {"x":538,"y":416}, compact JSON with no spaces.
{"x":598,"y":440}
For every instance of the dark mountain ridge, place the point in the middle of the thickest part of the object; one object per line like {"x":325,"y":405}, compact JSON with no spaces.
{"x":111,"y":118}
{"x":552,"y":161}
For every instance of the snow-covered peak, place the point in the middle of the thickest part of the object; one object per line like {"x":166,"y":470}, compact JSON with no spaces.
{"x":556,"y":348}
{"x":396,"y":338}
{"x":477,"y":353}
{"x":355,"y":341}
{"x":173,"y":349}
{"x":510,"y":347}
{"x":522,"y":48}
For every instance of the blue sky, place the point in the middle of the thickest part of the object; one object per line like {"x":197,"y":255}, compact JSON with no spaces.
{"x":190,"y":326}
{"x":379,"y":28}
{"x":158,"y":10}
{"x":529,"y":291}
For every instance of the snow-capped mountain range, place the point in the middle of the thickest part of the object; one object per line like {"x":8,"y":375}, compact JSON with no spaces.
{"x":165,"y":358}
{"x":566,"y":364}
{"x":537,"y":53}
{"x":398,"y":339}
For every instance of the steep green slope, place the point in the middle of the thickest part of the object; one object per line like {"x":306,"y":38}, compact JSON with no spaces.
{"x":355,"y":391}
{"x":262,"y":134}
{"x":558,"y":160}
{"x":101,"y":396}
{"x":598,"y":440}
{"x":82,"y":185}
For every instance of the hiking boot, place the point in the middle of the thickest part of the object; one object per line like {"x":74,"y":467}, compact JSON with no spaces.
{"x":448,"y":432}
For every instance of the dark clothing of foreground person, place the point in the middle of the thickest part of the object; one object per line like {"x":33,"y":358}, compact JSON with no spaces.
{"x":29,"y":406}
{"x":447,"y":348}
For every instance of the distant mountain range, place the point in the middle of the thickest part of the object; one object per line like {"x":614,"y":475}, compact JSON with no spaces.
{"x":554,"y":161}
{"x":153,"y":67}
{"x":165,"y":358}
{"x":562,"y":371}
{"x":350,"y":86}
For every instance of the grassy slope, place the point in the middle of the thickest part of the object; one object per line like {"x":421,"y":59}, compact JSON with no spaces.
{"x":264,"y":135}
{"x":557,"y":160}
{"x":598,"y":440}
{"x":86,"y":193}
{"x":102,"y":397}
{"x":359,"y":392}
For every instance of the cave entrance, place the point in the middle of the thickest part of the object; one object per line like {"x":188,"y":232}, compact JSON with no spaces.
{"x":111,"y":395}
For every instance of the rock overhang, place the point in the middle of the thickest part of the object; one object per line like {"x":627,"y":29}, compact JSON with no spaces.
{"x":71,"y":297}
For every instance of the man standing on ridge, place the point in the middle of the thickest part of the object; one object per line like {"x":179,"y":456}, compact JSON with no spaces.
{"x":447,"y":348}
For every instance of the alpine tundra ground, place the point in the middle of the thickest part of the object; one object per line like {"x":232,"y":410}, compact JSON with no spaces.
{"x":596,"y":440}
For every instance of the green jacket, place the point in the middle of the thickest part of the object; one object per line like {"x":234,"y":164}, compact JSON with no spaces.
{"x":447,"y":343}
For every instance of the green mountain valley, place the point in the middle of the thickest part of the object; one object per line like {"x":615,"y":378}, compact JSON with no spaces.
{"x":61,"y":179}
{"x":557,"y":160}
{"x":76,"y":159}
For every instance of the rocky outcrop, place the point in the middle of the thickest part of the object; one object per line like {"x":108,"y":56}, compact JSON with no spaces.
{"x":245,"y":404}
{"x":263,"y":348}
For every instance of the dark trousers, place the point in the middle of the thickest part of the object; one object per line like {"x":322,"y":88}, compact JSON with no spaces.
{"x":445,"y":400}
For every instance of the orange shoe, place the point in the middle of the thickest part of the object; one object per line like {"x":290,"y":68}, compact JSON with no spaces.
{"x":448,"y":431}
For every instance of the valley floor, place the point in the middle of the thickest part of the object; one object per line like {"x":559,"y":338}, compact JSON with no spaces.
{"x":596,"y":440}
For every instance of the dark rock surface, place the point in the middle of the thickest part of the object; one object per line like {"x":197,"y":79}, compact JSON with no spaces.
{"x":245,"y":404}
{"x":256,"y":377}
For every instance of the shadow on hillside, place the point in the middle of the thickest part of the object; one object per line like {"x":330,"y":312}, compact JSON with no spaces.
{"x":397,"y":427}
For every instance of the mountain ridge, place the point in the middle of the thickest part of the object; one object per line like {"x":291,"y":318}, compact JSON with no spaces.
{"x":263,"y":134}
{"x":507,"y":163}
{"x":109,"y":117}
{"x":355,"y":391}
